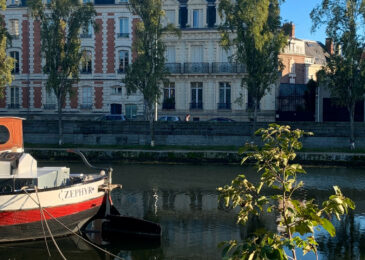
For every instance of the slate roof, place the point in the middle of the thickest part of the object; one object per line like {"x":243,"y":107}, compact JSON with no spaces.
{"x":316,"y":50}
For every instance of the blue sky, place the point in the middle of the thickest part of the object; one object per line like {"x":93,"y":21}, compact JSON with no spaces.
{"x":297,"y":11}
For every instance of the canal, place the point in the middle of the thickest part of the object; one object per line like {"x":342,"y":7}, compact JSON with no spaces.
{"x":184,"y":200}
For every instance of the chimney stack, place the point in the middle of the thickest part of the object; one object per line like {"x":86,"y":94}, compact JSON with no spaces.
{"x":292,"y":33}
{"x":329,"y":46}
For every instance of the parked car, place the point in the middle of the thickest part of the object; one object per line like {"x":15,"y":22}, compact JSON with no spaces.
{"x":221,"y":119}
{"x":113,"y":117}
{"x":169,"y":118}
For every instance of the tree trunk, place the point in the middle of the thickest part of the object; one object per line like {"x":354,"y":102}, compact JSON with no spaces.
{"x":59,"y":112}
{"x":254,"y":120}
{"x":352,"y":131}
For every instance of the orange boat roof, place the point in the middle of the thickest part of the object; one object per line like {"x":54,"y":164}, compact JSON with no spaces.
{"x":11,"y":133}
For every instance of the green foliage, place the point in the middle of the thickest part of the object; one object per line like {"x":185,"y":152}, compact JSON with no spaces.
{"x":253,"y":28}
{"x":6,"y":62}
{"x":61,"y":22}
{"x":344,"y":73}
{"x":274,"y":164}
{"x":148,"y":70}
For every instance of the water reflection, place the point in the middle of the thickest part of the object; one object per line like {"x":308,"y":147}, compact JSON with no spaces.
{"x":184,"y":200}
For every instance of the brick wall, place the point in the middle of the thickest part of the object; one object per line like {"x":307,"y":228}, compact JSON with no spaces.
{"x":134,"y":37}
{"x":299,"y":68}
{"x":37,"y":47}
{"x":25,"y":97}
{"x":110,"y":45}
{"x":37,"y":97}
{"x":25,"y":46}
{"x":99,"y":47}
{"x":98,"y":94}
{"x":74,"y":97}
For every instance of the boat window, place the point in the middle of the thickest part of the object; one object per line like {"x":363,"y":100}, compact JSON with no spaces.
{"x":4,"y":134}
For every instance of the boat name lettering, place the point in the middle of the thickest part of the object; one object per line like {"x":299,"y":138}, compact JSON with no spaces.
{"x":74,"y":193}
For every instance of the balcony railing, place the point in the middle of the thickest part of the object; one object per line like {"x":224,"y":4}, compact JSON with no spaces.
{"x":173,"y":68}
{"x":227,"y":67}
{"x":14,"y":36}
{"x":168,"y":105}
{"x":86,"y":106}
{"x":13,"y":106}
{"x":122,"y":71}
{"x":196,"y":67}
{"x":196,"y":105}
{"x":123,"y":35}
{"x":49,"y":106}
{"x":224,"y":106}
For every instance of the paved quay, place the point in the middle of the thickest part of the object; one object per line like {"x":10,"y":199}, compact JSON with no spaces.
{"x":188,"y":156}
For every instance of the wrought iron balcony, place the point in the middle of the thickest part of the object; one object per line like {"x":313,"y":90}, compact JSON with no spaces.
{"x":196,"y":105}
{"x":168,"y":104}
{"x":227,"y":67}
{"x":122,"y":71}
{"x":13,"y":106}
{"x":224,"y":106}
{"x":173,"y":68}
{"x":123,"y":35}
{"x":86,"y":106}
{"x":49,"y":106}
{"x":196,"y":67}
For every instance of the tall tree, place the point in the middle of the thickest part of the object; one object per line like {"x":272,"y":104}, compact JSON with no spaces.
{"x":344,"y":73}
{"x":148,"y":71}
{"x":6,"y":62}
{"x":61,"y":22}
{"x":253,"y":29}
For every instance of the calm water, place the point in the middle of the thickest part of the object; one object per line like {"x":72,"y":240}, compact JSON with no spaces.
{"x":183,"y":199}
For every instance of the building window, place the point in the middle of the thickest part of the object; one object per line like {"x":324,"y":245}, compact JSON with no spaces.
{"x":86,"y":1}
{"x":170,"y":16}
{"x":122,"y":1}
{"x":211,"y":14}
{"x":123,"y":61}
{"x":130,"y":111}
{"x":170,"y":54}
{"x":87,"y":31}
{"x":196,"y":95}
{"x":123,"y":27}
{"x":117,"y":91}
{"x":50,"y":100}
{"x":87,"y":98}
{"x":183,"y":15}
{"x":169,"y":96}
{"x":86,"y":62}
{"x":197,"y":18}
{"x":224,"y":95}
{"x":14,"y":97}
{"x":15,"y":56}
{"x":14,"y":28}
{"x":197,"y":53}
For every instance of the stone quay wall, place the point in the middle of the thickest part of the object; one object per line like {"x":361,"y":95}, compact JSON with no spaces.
{"x":326,"y":135}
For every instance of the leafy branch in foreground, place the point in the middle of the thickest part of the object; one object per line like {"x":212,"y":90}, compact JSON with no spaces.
{"x":294,"y":217}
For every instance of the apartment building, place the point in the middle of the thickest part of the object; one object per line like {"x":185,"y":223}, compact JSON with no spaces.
{"x":204,"y":82}
{"x":107,"y":54}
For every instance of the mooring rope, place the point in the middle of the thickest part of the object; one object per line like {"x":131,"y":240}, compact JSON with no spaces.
{"x":44,"y":232}
{"x":45,"y":221}
{"x":71,"y":231}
